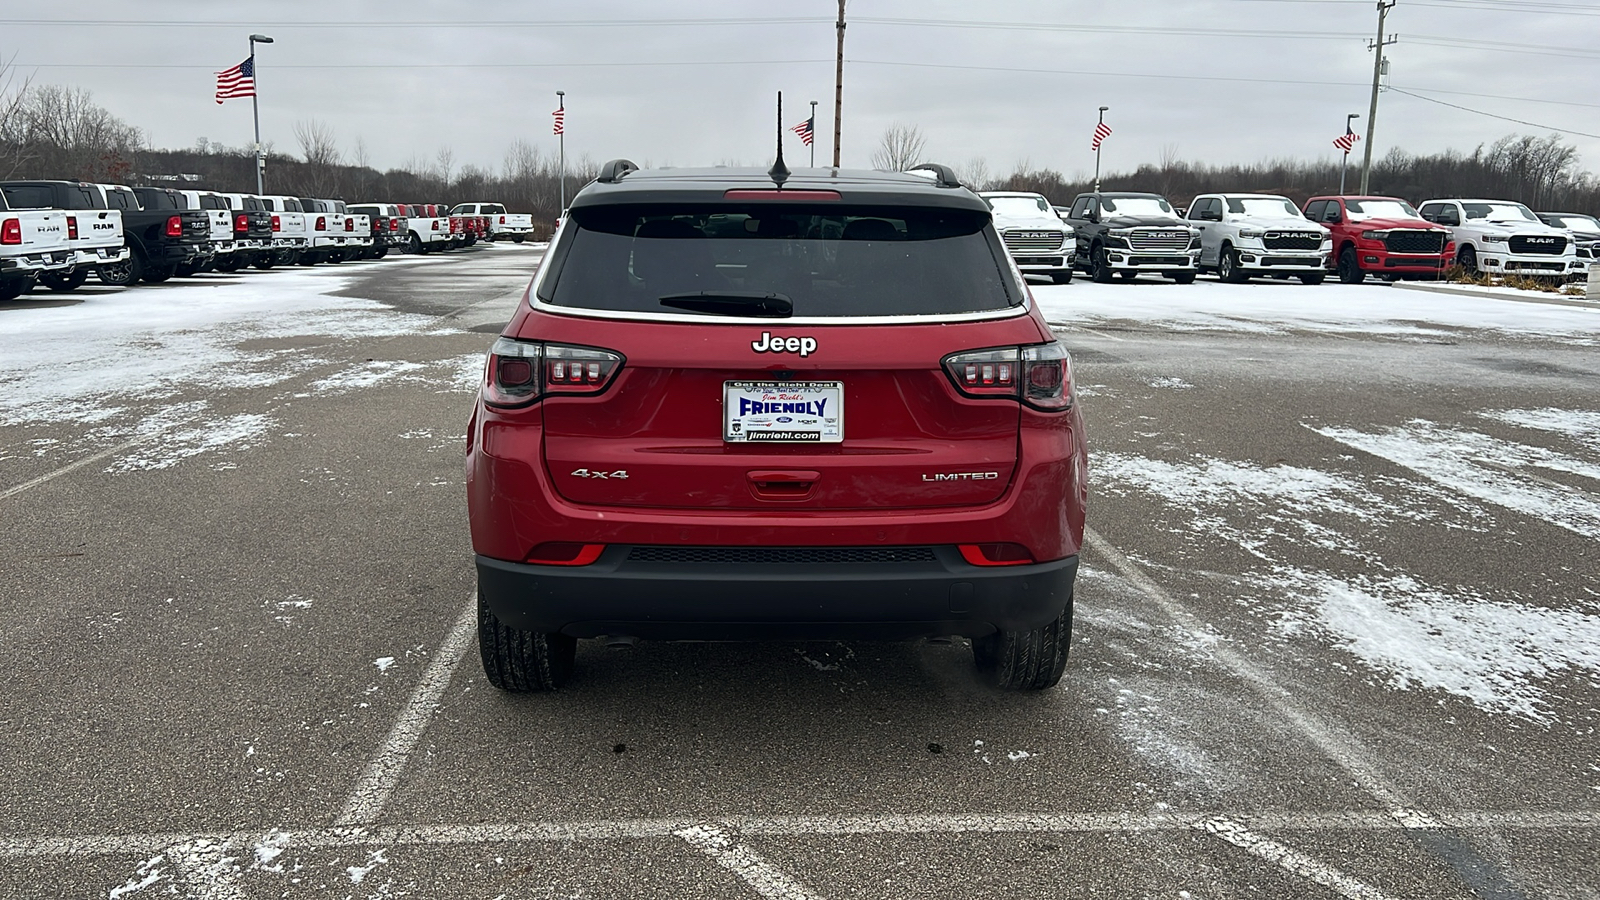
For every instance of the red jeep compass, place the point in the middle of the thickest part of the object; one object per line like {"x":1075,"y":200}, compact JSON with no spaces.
{"x":740,"y":405}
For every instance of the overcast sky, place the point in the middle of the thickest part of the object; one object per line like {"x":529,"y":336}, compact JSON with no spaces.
{"x":693,"y":82}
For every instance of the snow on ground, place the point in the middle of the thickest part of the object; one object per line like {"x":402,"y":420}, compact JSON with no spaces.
{"x":1582,"y":425}
{"x":1504,"y":653}
{"x":1272,"y":306}
{"x":1487,"y":468}
{"x":129,"y":363}
{"x":1495,"y":654}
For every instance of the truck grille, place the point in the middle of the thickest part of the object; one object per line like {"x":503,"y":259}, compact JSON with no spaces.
{"x":1292,"y":240}
{"x":1415,"y":242}
{"x":780,"y":555}
{"x":1158,"y":240}
{"x":1033,"y":241}
{"x":1529,"y":243}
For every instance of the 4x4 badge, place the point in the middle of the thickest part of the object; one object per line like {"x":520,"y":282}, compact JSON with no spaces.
{"x":769,"y":344}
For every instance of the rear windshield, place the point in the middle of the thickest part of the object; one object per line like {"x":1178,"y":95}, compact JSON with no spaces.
{"x":493,"y":209}
{"x":828,"y":260}
{"x":155,"y":198}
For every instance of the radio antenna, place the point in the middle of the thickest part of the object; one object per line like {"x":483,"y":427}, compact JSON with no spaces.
{"x":780,"y":172}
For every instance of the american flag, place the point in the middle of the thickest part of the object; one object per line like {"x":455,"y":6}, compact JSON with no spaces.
{"x":804,"y":129}
{"x":561,"y":119}
{"x":1347,"y":140}
{"x":1101,"y":132}
{"x":239,"y":81}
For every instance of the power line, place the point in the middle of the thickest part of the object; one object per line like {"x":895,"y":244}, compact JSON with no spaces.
{"x":448,"y":23}
{"x":1493,"y":116}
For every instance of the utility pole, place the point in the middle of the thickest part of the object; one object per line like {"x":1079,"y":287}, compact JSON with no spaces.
{"x":1377,"y":81}
{"x":838,"y":86}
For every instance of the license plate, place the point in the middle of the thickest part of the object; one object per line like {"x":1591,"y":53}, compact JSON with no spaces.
{"x":783,"y":412}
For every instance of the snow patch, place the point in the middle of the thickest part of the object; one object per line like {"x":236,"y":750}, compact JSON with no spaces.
{"x":367,"y":375}
{"x":1582,"y":425}
{"x":167,"y":450}
{"x":1486,"y":468}
{"x":1494,"y":654}
{"x":383,"y":663}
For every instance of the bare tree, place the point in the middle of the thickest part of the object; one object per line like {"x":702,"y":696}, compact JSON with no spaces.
{"x":13,"y":133}
{"x":321,"y":174}
{"x":899,"y":149}
{"x":975,"y":174}
{"x":446,"y":159}
{"x":363,"y":163}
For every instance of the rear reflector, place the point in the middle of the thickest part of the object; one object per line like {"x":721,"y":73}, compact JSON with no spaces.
{"x":793,"y":196}
{"x":562,"y":553}
{"x":995,"y":554}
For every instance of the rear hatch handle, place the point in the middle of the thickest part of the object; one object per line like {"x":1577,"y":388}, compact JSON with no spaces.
{"x":783,"y":484}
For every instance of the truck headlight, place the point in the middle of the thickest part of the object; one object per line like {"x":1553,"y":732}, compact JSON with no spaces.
{"x":1495,"y":238}
{"x":1252,"y":234}
{"x":1374,"y":235}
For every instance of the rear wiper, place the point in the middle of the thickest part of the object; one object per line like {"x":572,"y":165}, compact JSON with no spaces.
{"x":770,"y":305}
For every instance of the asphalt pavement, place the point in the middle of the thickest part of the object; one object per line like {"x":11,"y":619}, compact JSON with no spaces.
{"x":1336,"y":633}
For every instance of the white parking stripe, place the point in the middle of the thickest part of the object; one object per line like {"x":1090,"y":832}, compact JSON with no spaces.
{"x":760,"y":875}
{"x":1291,"y":860}
{"x":1350,"y":755}
{"x":74,"y":466}
{"x":382,"y":774}
{"x":77,"y":846}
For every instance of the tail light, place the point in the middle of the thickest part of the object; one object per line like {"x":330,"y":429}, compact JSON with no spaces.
{"x":11,"y":231}
{"x":349,"y":224}
{"x":72,"y":228}
{"x":520,"y":372}
{"x":564,"y":553}
{"x":174,"y":226}
{"x":1039,"y":375}
{"x":241,"y":223}
{"x":502,"y":220}
{"x":277,"y":225}
{"x":435,"y":224}
{"x":995,"y":554}
{"x":394,"y":224}
{"x":322,"y":223}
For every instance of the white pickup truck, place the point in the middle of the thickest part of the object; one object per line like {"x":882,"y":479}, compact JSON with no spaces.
{"x":502,"y":225}
{"x":222,"y":240}
{"x":430,"y":228}
{"x":1245,"y":235}
{"x":1039,"y":240}
{"x":357,"y":232}
{"x":94,"y":231}
{"x":289,"y":228}
{"x":325,"y":235}
{"x":33,"y":244}
{"x":1504,"y":237}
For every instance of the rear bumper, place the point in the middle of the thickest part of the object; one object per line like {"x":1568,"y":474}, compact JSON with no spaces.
{"x":732,"y":601}
{"x":34,"y":263}
{"x":100,"y":256}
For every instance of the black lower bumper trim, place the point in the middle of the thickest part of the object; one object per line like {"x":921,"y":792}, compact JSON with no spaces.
{"x":735,"y":601}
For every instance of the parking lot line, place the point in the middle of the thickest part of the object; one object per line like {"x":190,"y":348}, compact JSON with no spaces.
{"x":74,"y":466}
{"x":1349,"y":755}
{"x":382,"y":774}
{"x":762,"y":877}
{"x":1291,"y":860}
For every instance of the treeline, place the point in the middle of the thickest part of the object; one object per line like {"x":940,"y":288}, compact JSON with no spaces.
{"x":49,"y":131}
{"x":1540,"y":172}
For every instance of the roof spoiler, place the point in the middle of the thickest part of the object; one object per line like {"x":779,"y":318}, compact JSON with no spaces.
{"x":944,"y":176}
{"x":614,"y":171}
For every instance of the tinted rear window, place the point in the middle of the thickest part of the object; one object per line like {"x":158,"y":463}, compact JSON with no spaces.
{"x":829,"y":260}
{"x":29,"y":196}
{"x":155,"y":198}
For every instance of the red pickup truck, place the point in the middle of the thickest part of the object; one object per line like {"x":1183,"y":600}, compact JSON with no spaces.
{"x":1382,"y":236}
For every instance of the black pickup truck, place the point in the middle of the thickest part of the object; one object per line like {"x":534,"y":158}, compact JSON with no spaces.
{"x":1126,"y":233}
{"x":161,"y":240}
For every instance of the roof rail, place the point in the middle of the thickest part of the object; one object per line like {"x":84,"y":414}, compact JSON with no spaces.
{"x":613,"y":171}
{"x":944,"y":176}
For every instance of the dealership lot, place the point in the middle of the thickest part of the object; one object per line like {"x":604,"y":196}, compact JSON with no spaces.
{"x":1338,"y":631}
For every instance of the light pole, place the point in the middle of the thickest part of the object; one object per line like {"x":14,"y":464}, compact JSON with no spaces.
{"x":1097,"y":141}
{"x":1345,"y":168}
{"x":813,"y":140}
{"x":1377,"y":83}
{"x":561,"y":100}
{"x":255,"y":108}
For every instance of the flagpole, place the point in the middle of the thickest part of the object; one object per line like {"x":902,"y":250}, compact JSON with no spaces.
{"x":255,"y":109}
{"x":1345,"y":169}
{"x":1098,"y":145}
{"x":561,"y":97}
{"x":813,"y":134}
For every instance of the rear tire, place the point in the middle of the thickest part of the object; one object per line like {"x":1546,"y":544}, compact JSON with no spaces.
{"x":61,"y":284}
{"x":187,"y":270}
{"x":123,"y":274}
{"x":522,"y":661}
{"x":1025,"y":660}
{"x":1350,"y":268}
{"x":12,"y":288}
{"x":380,"y":253}
{"x":518,"y":238}
{"x":308,"y":259}
{"x":414,"y":245}
{"x":265,"y":260}
{"x":155,"y":274}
